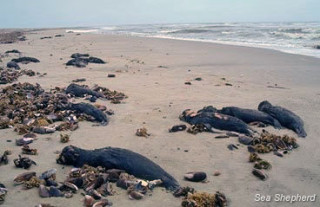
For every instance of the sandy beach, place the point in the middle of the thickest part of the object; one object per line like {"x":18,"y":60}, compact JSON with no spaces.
{"x":152,"y":72}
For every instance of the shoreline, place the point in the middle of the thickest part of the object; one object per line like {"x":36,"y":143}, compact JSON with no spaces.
{"x":95,"y":30}
{"x":211,"y":42}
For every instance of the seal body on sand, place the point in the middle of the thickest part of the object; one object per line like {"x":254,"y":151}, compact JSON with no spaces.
{"x":209,"y":117}
{"x":286,"y":118}
{"x":91,"y":110}
{"x":80,"y":91}
{"x":117,"y":158}
{"x":250,"y":115}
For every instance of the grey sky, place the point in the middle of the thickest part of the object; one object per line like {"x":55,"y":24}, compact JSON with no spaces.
{"x":59,"y":13}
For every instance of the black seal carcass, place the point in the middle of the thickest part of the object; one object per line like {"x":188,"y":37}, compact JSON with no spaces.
{"x":117,"y":158}
{"x":286,"y":118}
{"x":250,"y":115}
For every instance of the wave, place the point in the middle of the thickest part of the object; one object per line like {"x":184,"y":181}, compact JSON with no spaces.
{"x":294,"y":30}
{"x":289,"y":37}
{"x":188,"y":31}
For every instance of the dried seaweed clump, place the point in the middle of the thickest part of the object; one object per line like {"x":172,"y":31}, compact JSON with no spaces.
{"x":114,"y":96}
{"x":11,"y":75}
{"x":11,"y":37}
{"x":28,"y":107}
{"x":268,"y":142}
{"x":203,"y":199}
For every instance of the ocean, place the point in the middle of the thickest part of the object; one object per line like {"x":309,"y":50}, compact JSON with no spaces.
{"x":296,"y":38}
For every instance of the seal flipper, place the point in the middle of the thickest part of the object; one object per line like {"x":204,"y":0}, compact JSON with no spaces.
{"x":277,"y":124}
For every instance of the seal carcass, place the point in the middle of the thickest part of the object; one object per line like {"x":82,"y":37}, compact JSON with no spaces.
{"x":117,"y":158}
{"x":250,"y":115}
{"x":210,"y":117}
{"x":286,"y":118}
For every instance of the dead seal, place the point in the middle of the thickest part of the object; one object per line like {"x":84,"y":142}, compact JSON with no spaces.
{"x":209,"y":117}
{"x":81,"y":91}
{"x":286,"y":118}
{"x":117,"y":158}
{"x":250,"y":116}
{"x":91,"y":110}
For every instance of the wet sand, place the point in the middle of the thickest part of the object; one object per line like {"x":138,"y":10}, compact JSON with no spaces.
{"x":157,"y":96}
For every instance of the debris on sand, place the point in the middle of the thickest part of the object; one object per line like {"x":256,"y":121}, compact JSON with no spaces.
{"x":28,"y":108}
{"x":203,"y":199}
{"x":187,"y":83}
{"x":11,"y":37}
{"x":266,"y":143}
{"x":195,"y":176}
{"x":110,"y":75}
{"x":216,"y":173}
{"x":82,"y":60}
{"x":28,"y":151}
{"x":46,"y":37}
{"x":142,"y":132}
{"x":4,"y":158}
{"x":79,"y":80}
{"x":23,"y":162}
{"x":177,"y":128}
{"x":11,"y":75}
{"x":96,"y":182}
{"x":64,"y":138}
{"x":3,"y":193}
{"x":198,"y":128}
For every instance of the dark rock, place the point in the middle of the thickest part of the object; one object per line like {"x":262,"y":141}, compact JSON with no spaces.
{"x":188,"y":83}
{"x":177,"y":128}
{"x":316,"y":47}
{"x":111,"y":75}
{"x":195,"y":176}
{"x":59,"y":35}
{"x":13,"y":64}
{"x":55,"y":192}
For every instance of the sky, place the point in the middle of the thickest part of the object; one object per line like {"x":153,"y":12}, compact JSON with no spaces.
{"x":64,"y":13}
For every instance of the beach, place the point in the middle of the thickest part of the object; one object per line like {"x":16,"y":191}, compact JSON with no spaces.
{"x":152,"y":72}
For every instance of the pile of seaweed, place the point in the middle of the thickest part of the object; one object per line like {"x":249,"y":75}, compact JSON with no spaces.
{"x":28,"y":108}
{"x":11,"y":75}
{"x":11,"y":37}
{"x":97,"y":183}
{"x":266,"y":143}
{"x":96,"y":92}
{"x":82,"y":60}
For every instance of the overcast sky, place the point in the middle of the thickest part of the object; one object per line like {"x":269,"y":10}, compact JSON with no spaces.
{"x":59,"y":13}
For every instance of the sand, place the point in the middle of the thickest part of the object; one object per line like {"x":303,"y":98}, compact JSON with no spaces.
{"x":157,"y":95}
